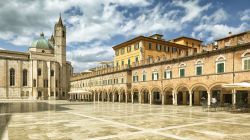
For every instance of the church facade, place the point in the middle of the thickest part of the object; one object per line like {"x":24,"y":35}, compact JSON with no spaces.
{"x":41,"y":73}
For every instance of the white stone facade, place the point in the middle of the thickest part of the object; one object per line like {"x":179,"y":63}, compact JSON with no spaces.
{"x":41,"y":73}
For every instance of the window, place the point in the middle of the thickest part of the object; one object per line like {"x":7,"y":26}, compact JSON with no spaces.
{"x":135,"y":77}
{"x":174,"y":49}
{"x":144,"y":76}
{"x":45,"y":83}
{"x":246,"y":64}
{"x":117,"y":52}
{"x":158,"y":47}
{"x":136,"y":59}
{"x":56,"y":83}
{"x":12,"y":77}
{"x":192,"y":44}
{"x":129,"y":49}
{"x":155,"y":75}
{"x":165,"y":48}
{"x":198,"y":70}
{"x":122,"y":80}
{"x":136,"y":46}
{"x":158,"y":58}
{"x":122,"y":63}
{"x":122,"y":51}
{"x":220,"y":67}
{"x":220,"y":64}
{"x":51,"y":72}
{"x":246,"y":61}
{"x":39,"y":72}
{"x":167,"y":74}
{"x":34,"y":82}
{"x":25,"y":79}
{"x":149,"y":46}
{"x":182,"y":72}
{"x":63,"y":34}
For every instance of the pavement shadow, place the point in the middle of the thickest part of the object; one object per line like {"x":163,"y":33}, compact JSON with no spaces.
{"x":6,"y":110}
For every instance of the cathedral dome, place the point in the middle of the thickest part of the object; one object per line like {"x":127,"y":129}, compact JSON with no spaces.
{"x":41,"y":43}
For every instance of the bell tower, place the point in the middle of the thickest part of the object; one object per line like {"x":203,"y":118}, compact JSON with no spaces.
{"x":60,"y":41}
{"x":60,"y":56}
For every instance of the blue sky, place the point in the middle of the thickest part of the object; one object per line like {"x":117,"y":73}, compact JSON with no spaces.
{"x":94,"y":26}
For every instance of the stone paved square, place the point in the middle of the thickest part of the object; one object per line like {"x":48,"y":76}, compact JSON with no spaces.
{"x":117,"y":121}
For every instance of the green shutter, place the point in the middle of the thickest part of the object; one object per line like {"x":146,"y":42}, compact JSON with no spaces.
{"x":157,"y":76}
{"x":152,"y":76}
{"x":182,"y":72}
{"x":165,"y":74}
{"x":220,"y":67}
{"x":198,"y":70}
{"x":247,"y":64}
{"x":170,"y":74}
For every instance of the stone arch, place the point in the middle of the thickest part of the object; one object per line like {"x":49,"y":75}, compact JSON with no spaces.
{"x":197,"y":85}
{"x":182,"y":91}
{"x":221,"y":58}
{"x":168,"y":95}
{"x":199,"y":62}
{"x":144,"y":93}
{"x":135,"y":95}
{"x":199,"y":93}
{"x":156,"y":95}
{"x":180,"y":86}
{"x":246,"y":53}
{"x":122,"y":94}
{"x":216,"y":84}
{"x":221,"y":94}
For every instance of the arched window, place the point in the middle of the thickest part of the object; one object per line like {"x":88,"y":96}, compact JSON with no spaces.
{"x":135,"y":77}
{"x":52,"y":73}
{"x":246,"y":61}
{"x":168,"y":73}
{"x":39,"y":72}
{"x":155,"y":75}
{"x":182,"y":70}
{"x":12,"y":77}
{"x":25,"y":77}
{"x":199,"y":67}
{"x":220,"y":64}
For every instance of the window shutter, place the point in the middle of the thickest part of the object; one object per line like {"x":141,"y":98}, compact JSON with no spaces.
{"x":165,"y":74}
{"x":170,"y":74}
{"x":245,"y":64}
{"x":248,"y":65}
{"x":157,"y":76}
{"x":152,"y":76}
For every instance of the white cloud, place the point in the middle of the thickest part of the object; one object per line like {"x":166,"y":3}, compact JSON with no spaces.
{"x":82,"y":59}
{"x":218,"y":16}
{"x":245,"y":15}
{"x":96,"y":21}
{"x":192,"y":9}
{"x":216,"y":31}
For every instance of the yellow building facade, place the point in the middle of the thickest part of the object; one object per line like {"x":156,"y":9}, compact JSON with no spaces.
{"x":151,"y":49}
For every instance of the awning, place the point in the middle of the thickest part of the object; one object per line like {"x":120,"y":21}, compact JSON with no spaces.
{"x":79,"y":92}
{"x":238,"y":86}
